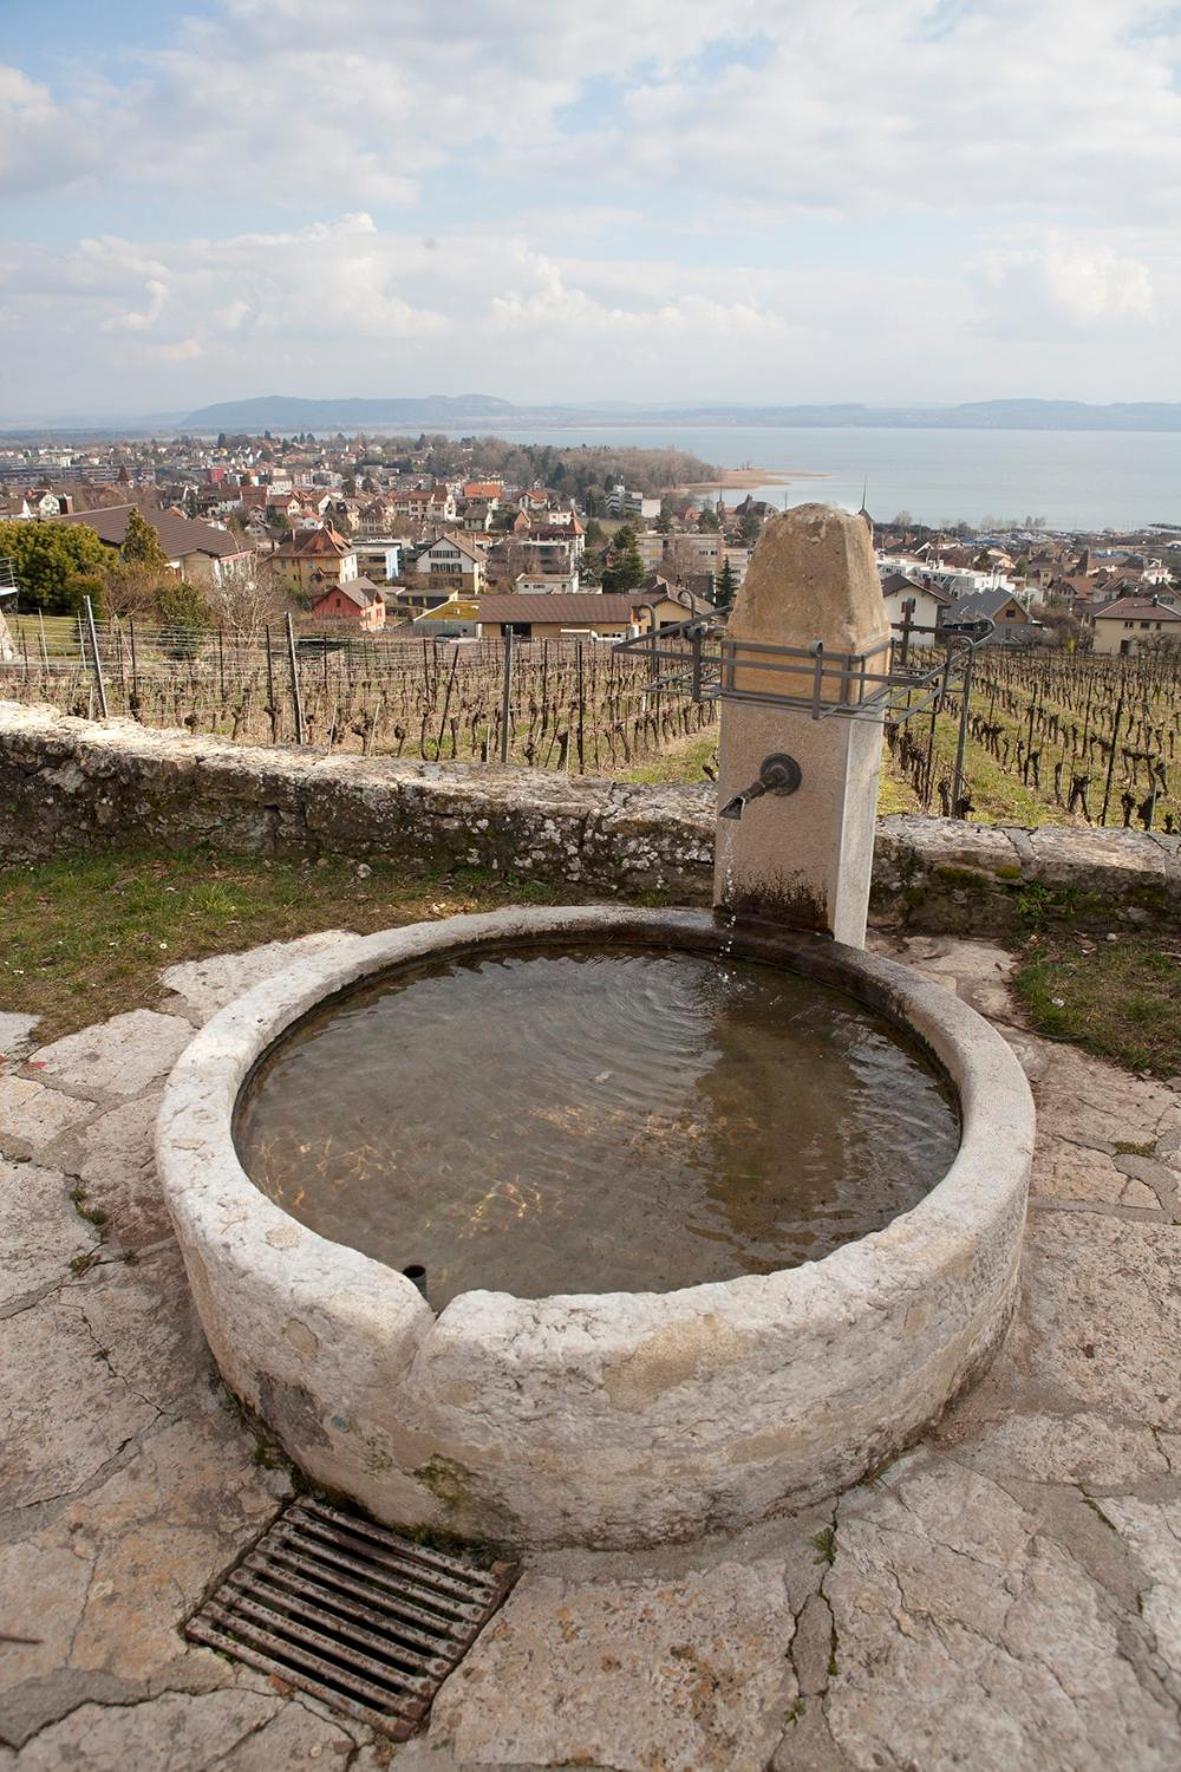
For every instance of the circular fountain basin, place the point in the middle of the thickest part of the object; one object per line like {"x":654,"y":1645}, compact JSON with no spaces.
{"x":787,"y":1337}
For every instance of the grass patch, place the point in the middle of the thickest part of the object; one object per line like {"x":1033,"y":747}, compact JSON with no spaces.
{"x":684,"y":761}
{"x":87,"y":936}
{"x":1119,"y":999}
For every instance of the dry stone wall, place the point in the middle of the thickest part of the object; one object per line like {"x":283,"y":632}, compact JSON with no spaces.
{"x":68,"y":785}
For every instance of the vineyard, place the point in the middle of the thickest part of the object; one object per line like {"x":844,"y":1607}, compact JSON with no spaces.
{"x":571,"y":705}
{"x":1053,"y":738}
{"x":1050,"y":737}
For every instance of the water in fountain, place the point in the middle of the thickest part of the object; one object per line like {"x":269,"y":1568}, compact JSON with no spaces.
{"x":591,"y":1119}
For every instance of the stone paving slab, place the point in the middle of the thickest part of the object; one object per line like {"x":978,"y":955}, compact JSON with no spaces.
{"x":40,"y":1233}
{"x":202,"y":987}
{"x":17,"y":1035}
{"x":1008,"y":1595}
{"x":33,"y":1117}
{"x":112,"y":1159}
{"x":120,"y":1057}
{"x":671,"y":1672}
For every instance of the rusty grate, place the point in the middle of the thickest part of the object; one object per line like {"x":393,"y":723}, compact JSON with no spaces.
{"x":367,"y":1621}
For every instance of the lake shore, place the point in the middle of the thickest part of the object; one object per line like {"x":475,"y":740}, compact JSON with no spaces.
{"x":746,"y":479}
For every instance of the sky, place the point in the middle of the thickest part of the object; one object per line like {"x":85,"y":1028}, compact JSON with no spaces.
{"x":899,"y":201}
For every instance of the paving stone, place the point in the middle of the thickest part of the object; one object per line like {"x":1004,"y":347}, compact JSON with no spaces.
{"x":1080,"y":1448}
{"x":144,"y":1320}
{"x":689,"y":1675}
{"x":42,"y":1594}
{"x":114,"y":1160}
{"x":1063,"y":1171}
{"x":1093,"y":1103}
{"x":1153,"y":1529}
{"x":40,"y":1232}
{"x":205,"y":986}
{"x":65,"y":1412}
{"x":16,"y":1034}
{"x":176,"y":1732}
{"x":974,"y":961}
{"x":158,"y":1531}
{"x":1102,"y":1317}
{"x":985,"y":1617}
{"x":123,"y":1056}
{"x":968,"y":1638}
{"x":297,"y":1738}
{"x":33,"y":1117}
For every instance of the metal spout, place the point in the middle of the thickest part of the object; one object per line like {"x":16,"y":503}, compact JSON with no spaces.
{"x":779,"y":774}
{"x":737,"y":806}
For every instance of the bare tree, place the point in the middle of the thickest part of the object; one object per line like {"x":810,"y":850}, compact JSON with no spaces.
{"x":243,"y":602}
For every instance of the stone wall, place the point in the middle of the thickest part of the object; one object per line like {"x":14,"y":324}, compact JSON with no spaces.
{"x":68,"y":785}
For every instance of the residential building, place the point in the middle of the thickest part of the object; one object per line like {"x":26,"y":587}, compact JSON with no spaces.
{"x":1135,"y":624}
{"x":431,"y":504}
{"x":454,"y":561}
{"x":359,"y":602}
{"x":532,"y":584}
{"x":380,"y":557}
{"x":1011,"y":621}
{"x":558,"y":617}
{"x":621,"y":502}
{"x":929,"y":603}
{"x":199,"y":552}
{"x":316,"y":557}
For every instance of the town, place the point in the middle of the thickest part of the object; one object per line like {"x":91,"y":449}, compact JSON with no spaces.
{"x":418,"y":537}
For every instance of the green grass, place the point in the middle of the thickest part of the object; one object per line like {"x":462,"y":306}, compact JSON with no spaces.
{"x":1119,"y":999}
{"x":683,"y":762}
{"x":87,"y":936}
{"x":61,"y":635}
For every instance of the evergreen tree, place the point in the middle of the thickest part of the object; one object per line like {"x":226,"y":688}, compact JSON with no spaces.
{"x":141,"y":544}
{"x":625,"y":569}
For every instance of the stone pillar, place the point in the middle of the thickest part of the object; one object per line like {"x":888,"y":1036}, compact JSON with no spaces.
{"x":802,"y":859}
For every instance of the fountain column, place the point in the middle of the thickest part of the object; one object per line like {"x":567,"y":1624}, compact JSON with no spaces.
{"x":795,"y":846}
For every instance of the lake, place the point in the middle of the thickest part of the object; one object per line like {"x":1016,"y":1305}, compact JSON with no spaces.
{"x":1070,"y":479}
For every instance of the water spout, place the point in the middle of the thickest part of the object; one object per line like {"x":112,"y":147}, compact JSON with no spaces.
{"x":779,"y":774}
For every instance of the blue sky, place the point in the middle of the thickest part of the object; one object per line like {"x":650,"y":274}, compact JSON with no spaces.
{"x":882,"y":200}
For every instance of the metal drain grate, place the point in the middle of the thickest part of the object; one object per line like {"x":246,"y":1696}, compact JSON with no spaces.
{"x":367,"y":1621}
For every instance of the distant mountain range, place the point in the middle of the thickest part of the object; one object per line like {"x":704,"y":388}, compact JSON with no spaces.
{"x":444,"y":411}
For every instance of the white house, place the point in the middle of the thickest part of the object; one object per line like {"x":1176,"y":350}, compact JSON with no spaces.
{"x":898,"y":589}
{"x":452,"y":560}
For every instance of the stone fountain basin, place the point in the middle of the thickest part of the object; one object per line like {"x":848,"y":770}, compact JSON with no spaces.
{"x":609,"y":1418}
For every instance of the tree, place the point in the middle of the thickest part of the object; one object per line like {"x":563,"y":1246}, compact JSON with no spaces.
{"x":726,"y":587}
{"x":664,"y":524}
{"x":243,"y":602}
{"x":50,"y":561}
{"x":183,"y":610}
{"x":141,"y":570}
{"x":141,"y":544}
{"x":625,"y":569}
{"x":709,"y":519}
{"x":750,"y":527}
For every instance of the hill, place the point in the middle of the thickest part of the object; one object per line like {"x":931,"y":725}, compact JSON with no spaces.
{"x":278,"y":412}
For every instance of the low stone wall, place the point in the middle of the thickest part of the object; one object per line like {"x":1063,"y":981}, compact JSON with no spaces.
{"x":68,"y":785}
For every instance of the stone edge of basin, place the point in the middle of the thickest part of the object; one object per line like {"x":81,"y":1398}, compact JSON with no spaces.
{"x":601,"y":1419}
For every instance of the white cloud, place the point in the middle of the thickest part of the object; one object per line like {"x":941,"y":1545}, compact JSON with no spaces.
{"x":1079,"y":286}
{"x":41,"y":145}
{"x":777,"y":199}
